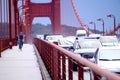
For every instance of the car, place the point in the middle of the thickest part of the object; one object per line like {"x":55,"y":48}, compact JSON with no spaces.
{"x":40,"y":36}
{"x":70,"y":39}
{"x":65,"y":43}
{"x":108,"y":58}
{"x":60,"y":40}
{"x":81,"y":33}
{"x":86,"y":47}
{"x":53,"y":37}
{"x":94,"y":36}
{"x":109,"y":40}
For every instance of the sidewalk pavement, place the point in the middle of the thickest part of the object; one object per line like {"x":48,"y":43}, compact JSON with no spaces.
{"x":19,"y":65}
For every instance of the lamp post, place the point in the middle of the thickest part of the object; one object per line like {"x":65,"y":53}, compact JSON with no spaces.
{"x":94,"y":26}
{"x":112,"y":16}
{"x":88,"y":29}
{"x":100,"y":19}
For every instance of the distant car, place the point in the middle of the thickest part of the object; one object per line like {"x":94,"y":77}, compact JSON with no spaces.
{"x":86,"y":47}
{"x":109,"y":40}
{"x":81,"y":33}
{"x":40,"y":36}
{"x":53,"y":37}
{"x":66,"y":44}
{"x":94,"y":36}
{"x":60,"y":40}
{"x":70,"y":39}
{"x":108,"y":58}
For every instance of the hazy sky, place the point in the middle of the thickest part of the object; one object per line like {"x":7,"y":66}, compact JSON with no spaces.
{"x":89,"y":10}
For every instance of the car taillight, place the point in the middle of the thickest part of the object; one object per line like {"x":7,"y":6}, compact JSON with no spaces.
{"x":55,"y":42}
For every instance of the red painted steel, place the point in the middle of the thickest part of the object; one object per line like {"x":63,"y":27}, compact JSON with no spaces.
{"x":63,"y":67}
{"x":113,"y":31}
{"x":7,"y":23}
{"x":0,"y":19}
{"x":79,"y":19}
{"x":70,"y":73}
{"x":31,"y":10}
{"x":10,"y":26}
{"x":52,"y":57}
{"x":0,"y":26}
{"x":16,"y":25}
{"x":80,"y":72}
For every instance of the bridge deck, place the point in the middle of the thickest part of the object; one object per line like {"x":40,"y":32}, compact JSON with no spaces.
{"x":19,"y":65}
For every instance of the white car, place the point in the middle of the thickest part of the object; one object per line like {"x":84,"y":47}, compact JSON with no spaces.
{"x":60,"y":40}
{"x":81,"y":33}
{"x":108,"y":58}
{"x":70,"y":39}
{"x":94,"y":36}
{"x":53,"y":37}
{"x":86,"y":47}
{"x":64,"y":43}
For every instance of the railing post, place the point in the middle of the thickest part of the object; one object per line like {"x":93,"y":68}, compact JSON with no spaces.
{"x":63,"y":67}
{"x":80,"y":72}
{"x":59,"y":65}
{"x":70,"y":67}
{"x":55,"y":64}
{"x":0,"y":47}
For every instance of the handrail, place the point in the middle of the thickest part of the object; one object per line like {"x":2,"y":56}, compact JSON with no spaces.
{"x":54,"y":58}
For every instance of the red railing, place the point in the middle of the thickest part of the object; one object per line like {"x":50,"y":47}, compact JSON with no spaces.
{"x":8,"y":23}
{"x":4,"y":44}
{"x":59,"y":61}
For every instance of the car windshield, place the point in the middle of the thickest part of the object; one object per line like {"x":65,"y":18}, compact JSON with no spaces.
{"x":65,"y":42}
{"x":109,"y":39}
{"x":81,"y":35}
{"x":110,"y":54}
{"x":54,"y":37}
{"x":89,"y":44}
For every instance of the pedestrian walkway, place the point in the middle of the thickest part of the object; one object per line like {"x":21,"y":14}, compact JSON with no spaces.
{"x":18,"y":64}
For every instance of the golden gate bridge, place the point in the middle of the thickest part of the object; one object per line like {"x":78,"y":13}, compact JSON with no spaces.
{"x":10,"y":27}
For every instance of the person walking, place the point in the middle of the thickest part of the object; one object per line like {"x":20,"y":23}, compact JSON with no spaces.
{"x":20,"y":40}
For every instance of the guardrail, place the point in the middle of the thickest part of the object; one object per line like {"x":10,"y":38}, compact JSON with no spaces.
{"x":4,"y":44}
{"x":55,"y":59}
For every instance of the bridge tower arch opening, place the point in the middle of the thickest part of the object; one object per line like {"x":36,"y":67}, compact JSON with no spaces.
{"x":41,"y":26}
{"x":31,"y":10}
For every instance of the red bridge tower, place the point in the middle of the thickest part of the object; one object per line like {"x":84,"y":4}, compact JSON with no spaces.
{"x":31,"y":10}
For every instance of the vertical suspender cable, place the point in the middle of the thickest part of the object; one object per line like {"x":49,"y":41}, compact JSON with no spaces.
{"x":78,"y":17}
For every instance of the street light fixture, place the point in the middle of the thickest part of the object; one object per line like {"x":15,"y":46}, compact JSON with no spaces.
{"x":100,"y":19}
{"x":112,"y":16}
{"x":94,"y":26}
{"x":87,"y":29}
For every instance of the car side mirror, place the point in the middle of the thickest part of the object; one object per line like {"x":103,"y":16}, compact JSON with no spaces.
{"x":71,"y":48}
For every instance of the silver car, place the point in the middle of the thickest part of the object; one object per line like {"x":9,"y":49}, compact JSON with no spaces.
{"x":86,"y":47}
{"x":108,"y":58}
